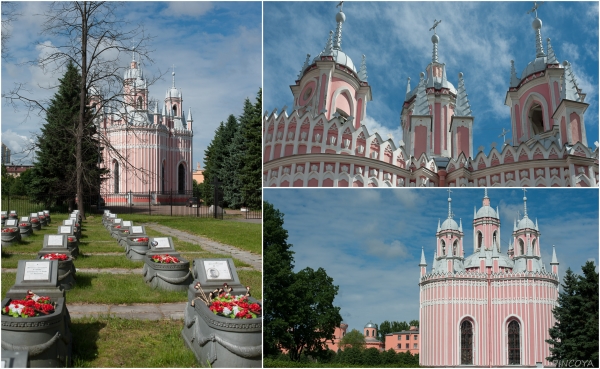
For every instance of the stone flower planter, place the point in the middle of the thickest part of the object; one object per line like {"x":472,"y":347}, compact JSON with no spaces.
{"x":10,"y":236}
{"x":43,"y":220}
{"x":46,"y":338}
{"x":169,"y":277}
{"x":25,"y":229}
{"x":221,"y":342}
{"x":13,"y":215}
{"x":114,"y":231}
{"x":35,"y":224}
{"x":136,"y":250}
{"x":73,"y":245}
{"x":4,"y":217}
{"x":66,"y":274}
{"x":47,"y":214}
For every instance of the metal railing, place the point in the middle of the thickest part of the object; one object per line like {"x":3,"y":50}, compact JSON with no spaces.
{"x":171,"y":203}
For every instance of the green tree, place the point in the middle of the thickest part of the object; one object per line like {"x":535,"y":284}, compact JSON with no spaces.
{"x":390,"y":327}
{"x":278,"y":264}
{"x":371,"y":357}
{"x":388,"y":357}
{"x":251,"y":175}
{"x":54,"y":172}
{"x":414,"y":323}
{"x":231,"y":171}
{"x":353,"y":339}
{"x":7,"y":181}
{"x":575,"y":333}
{"x":299,"y":314}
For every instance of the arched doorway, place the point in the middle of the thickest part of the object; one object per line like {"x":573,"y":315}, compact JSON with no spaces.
{"x":466,"y":343}
{"x":116,"y":177}
{"x":181,"y":179}
{"x":514,"y":343}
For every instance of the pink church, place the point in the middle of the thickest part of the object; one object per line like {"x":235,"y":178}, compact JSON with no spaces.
{"x":323,"y":142}
{"x":153,"y":146}
{"x":489,"y":308}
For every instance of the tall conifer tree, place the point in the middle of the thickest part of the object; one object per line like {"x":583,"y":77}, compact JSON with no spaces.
{"x":54,"y":172}
{"x":251,"y":174}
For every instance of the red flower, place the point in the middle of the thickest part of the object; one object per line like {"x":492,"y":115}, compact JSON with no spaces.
{"x":140,"y":239}
{"x":9,"y":230}
{"x":23,"y":225}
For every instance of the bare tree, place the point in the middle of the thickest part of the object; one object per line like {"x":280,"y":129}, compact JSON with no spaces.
{"x":9,"y":15}
{"x":94,"y":38}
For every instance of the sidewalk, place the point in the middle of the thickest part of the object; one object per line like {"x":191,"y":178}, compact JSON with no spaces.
{"x":209,"y":245}
{"x":174,"y":311}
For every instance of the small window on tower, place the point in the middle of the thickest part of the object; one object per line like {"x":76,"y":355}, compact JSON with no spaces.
{"x":140,"y":103}
{"x":536,"y":119}
{"x":174,"y":110}
{"x":479,"y":240}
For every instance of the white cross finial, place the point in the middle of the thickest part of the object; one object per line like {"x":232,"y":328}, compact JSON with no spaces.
{"x":173,"y":75}
{"x":535,"y":8}
{"x":435,"y":24}
{"x":340,"y":5}
{"x":503,"y":134}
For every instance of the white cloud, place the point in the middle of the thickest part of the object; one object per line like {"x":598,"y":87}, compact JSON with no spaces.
{"x":375,"y":127}
{"x":570,"y":50}
{"x":394,"y":249}
{"x":188,"y":8}
{"x":19,"y":145}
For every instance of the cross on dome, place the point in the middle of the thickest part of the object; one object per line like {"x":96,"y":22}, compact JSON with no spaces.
{"x":525,"y":203}
{"x":173,"y":75}
{"x":449,"y":204}
{"x":435,"y":39}
{"x":534,"y":9}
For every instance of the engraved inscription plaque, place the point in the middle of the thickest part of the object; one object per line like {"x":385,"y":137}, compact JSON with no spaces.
{"x":137,"y":229}
{"x":216,"y":269}
{"x":37,"y":271}
{"x":162,"y":243}
{"x":55,"y":240}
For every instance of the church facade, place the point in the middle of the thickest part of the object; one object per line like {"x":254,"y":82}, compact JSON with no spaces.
{"x":150,"y":148}
{"x":323,"y":142}
{"x":488,"y":308}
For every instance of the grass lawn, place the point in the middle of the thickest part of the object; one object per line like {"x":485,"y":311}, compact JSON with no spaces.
{"x":115,"y":342}
{"x":247,"y":236}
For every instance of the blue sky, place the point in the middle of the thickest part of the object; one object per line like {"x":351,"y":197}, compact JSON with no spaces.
{"x":370,"y":241}
{"x":216,"y":49}
{"x":476,"y":38}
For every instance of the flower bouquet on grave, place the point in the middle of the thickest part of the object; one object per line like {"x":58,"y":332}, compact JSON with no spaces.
{"x":9,"y":230}
{"x":141,"y":239}
{"x":223,"y":303}
{"x":165,"y":259}
{"x":31,"y":306}
{"x":55,"y":256}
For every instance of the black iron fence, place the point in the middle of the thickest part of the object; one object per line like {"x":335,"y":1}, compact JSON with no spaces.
{"x":173,"y":203}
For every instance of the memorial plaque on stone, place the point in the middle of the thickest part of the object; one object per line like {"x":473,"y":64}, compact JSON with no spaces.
{"x":34,"y":215}
{"x":40,"y":276}
{"x":212,"y":273}
{"x":55,"y":240}
{"x":117,"y":221}
{"x":14,"y":359}
{"x":11,"y":223}
{"x":136,"y":230}
{"x":113,"y":216}
{"x":69,"y":222}
{"x":41,"y":213}
{"x":4,"y":213}
{"x":127,"y":223}
{"x":161,"y":245}
{"x":25,"y":219}
{"x":66,"y":229}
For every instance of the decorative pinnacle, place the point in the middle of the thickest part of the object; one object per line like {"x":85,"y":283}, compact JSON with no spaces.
{"x":435,"y":39}
{"x":173,"y":74}
{"x":449,"y":204}
{"x":537,"y":25}
{"x":524,"y":203}
{"x":304,"y":66}
{"x":485,"y":196}
{"x":341,"y":5}
{"x":408,"y":85}
{"x":340,"y":18}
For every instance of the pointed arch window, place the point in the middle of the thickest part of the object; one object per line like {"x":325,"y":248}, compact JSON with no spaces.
{"x":116,"y":177}
{"x":495,"y":240}
{"x":536,"y":119}
{"x":521,"y":247}
{"x":174,"y":110}
{"x":443,"y":247}
{"x":466,"y":343}
{"x":181,"y":179}
{"x":367,"y":333}
{"x":514,"y":343}
{"x":454,"y":247}
{"x":533,"y":247}
{"x":140,"y":103}
{"x":479,"y":240}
